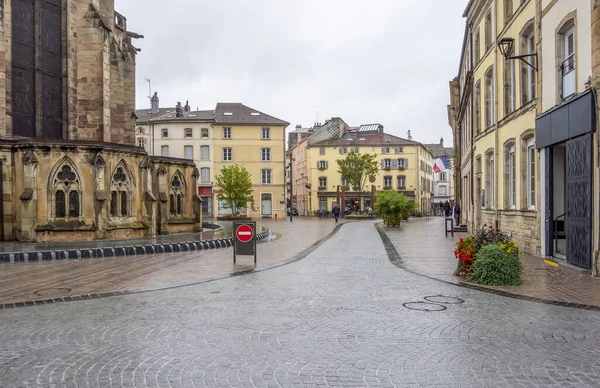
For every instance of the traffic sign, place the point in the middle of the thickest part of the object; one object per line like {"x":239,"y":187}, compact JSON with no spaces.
{"x":244,"y":233}
{"x":244,"y":239}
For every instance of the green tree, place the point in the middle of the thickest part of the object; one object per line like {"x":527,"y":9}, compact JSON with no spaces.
{"x":234,"y":185}
{"x":357,"y":168}
{"x":393,"y":207}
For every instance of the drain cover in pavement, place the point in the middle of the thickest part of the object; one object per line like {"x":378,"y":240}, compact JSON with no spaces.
{"x":424,"y":306}
{"x":443,"y":299}
{"x":52,"y":291}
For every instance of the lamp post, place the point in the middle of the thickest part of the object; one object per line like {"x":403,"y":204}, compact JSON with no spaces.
{"x":506,"y":46}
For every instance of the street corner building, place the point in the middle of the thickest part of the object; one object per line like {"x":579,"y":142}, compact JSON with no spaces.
{"x":524,"y":115}
{"x":69,"y":166}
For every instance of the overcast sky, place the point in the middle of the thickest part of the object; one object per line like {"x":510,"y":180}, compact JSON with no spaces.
{"x":377,"y":61}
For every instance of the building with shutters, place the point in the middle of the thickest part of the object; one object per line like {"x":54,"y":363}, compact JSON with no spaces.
{"x":405,"y":166}
{"x":443,"y":181}
{"x":70,"y":169}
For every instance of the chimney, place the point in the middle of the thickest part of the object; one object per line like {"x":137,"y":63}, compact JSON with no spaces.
{"x":154,"y":103}
{"x":442,"y":141}
{"x":178,"y":110}
{"x":409,"y":135}
{"x":187,"y":106}
{"x":298,"y":126}
{"x":380,"y":128}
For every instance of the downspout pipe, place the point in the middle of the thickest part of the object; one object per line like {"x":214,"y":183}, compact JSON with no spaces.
{"x":496,"y":95}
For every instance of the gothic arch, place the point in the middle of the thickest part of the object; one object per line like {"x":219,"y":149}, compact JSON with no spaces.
{"x":177,"y":190}
{"x":122,"y":191}
{"x":65,"y":191}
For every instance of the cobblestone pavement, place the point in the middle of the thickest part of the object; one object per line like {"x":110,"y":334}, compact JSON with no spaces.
{"x":343,"y":316}
{"x":23,"y":282}
{"x":426,"y":250}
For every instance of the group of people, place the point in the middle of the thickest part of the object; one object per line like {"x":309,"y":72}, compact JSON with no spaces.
{"x":452,"y":210}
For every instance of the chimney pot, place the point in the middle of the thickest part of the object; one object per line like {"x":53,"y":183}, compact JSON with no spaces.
{"x":154,"y":103}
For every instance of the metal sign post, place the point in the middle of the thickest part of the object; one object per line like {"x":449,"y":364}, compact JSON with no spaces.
{"x":244,"y":239}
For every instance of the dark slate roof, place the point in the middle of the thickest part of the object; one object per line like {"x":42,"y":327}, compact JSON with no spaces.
{"x":439,"y":150}
{"x":187,"y":116}
{"x":368,"y":139}
{"x":144,"y":115}
{"x":240,"y":114}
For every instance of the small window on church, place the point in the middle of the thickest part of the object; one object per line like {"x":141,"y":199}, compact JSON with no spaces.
{"x":120,"y":193}
{"x":60,"y":204}
{"x":177,"y":195}
{"x":172,"y":204}
{"x":67,"y":196}
{"x":113,"y":203}
{"x":74,"y":204}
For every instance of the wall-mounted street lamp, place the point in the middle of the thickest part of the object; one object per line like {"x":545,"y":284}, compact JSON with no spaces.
{"x":506,"y":46}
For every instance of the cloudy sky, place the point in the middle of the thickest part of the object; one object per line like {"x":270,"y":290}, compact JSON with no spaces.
{"x":384,"y":61}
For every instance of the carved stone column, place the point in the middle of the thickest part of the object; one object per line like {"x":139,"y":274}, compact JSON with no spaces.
{"x":101,"y":196}
{"x":28,"y":199}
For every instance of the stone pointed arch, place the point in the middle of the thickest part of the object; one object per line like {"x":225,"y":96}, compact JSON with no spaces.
{"x":65,"y":191}
{"x":122,"y":191}
{"x":177,"y":191}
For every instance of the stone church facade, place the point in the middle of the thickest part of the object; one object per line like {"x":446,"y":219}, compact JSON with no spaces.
{"x":69,"y":166}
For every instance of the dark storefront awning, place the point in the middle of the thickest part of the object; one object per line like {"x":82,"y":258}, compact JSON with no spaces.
{"x":566,"y":121}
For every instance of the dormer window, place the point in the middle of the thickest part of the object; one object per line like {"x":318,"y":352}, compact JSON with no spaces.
{"x":227,"y":113}
{"x":188,"y":133}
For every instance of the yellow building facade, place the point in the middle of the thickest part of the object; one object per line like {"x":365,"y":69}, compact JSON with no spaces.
{"x":503,"y":121}
{"x":256,"y":141}
{"x":404,"y":165}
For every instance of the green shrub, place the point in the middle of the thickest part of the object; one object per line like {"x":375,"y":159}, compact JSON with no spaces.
{"x":495,"y":267}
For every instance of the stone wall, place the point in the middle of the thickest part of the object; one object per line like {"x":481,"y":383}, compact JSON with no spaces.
{"x":118,"y":192}
{"x":523,"y":225}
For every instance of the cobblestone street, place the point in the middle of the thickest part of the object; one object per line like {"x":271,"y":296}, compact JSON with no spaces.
{"x":342,"y":316}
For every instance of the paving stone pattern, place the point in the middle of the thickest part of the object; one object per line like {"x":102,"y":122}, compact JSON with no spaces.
{"x":335,"y":318}
{"x":425,"y":249}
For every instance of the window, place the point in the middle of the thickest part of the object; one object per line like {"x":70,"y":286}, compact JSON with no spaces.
{"x":322,"y":151}
{"x":176,"y":195}
{"x":489,"y":181}
{"x":509,"y":86}
{"x":527,"y":72}
{"x":322,"y":182}
{"x":164,"y":150}
{"x":189,"y":152}
{"x":530,"y":174}
{"x":205,"y":175}
{"x":66,"y":191}
{"x":401,"y":181}
{"x":489,"y":98}
{"x":398,"y":150}
{"x":508,"y":10}
{"x":566,"y":50}
{"x":141,"y":142}
{"x":265,"y":154}
{"x":204,"y":152}
{"x":120,"y":193}
{"x":227,"y":155}
{"x":443,"y":177}
{"x":204,"y":133}
{"x":386,"y":164}
{"x":488,"y":30}
{"x":344,"y":182}
{"x":226,"y":133}
{"x":512,"y":177}
{"x":443,"y":191}
{"x":477,"y":107}
{"x":188,"y":133}
{"x":265,"y":177}
{"x":164,"y":133}
{"x":387,"y":181}
{"x":322,"y":165}
{"x":140,"y":130}
{"x":266,"y":133}
{"x":476,"y":46}
{"x":385,"y":151}
{"x":343,"y":150}
{"x":402,"y":163}
{"x":355,"y":150}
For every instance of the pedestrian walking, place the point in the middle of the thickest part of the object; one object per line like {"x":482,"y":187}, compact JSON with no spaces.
{"x":336,"y":211}
{"x":457,"y":213}
{"x":447,"y":208}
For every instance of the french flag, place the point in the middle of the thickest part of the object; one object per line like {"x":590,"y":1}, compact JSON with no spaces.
{"x":441,"y":164}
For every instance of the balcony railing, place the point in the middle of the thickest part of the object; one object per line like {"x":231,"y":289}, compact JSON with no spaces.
{"x":567,"y":69}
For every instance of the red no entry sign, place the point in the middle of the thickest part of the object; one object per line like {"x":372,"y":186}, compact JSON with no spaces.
{"x":244,"y":233}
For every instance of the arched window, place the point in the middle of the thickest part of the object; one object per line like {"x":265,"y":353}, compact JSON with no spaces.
{"x":527,"y":38}
{"x":120,"y":192}
{"x":176,"y":195}
{"x":489,"y":97}
{"x":65,"y":193}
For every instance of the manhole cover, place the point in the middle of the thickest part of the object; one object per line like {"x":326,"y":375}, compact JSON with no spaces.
{"x":444,"y":299}
{"x":52,"y":291}
{"x":424,"y":306}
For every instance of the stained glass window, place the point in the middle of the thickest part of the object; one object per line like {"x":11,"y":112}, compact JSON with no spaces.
{"x":113,"y":203}
{"x":172,"y":204}
{"x":74,"y":203}
{"x":179,"y":212}
{"x":123,"y":204}
{"x":60,"y":204}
